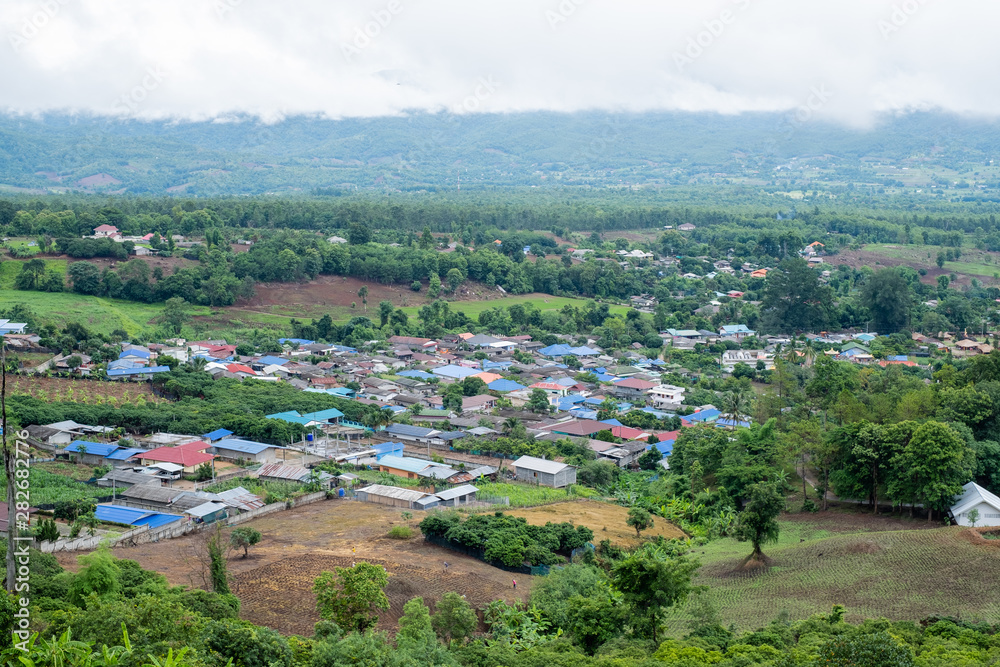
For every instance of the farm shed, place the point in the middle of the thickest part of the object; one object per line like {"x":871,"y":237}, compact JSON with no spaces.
{"x":209,"y":512}
{"x":235,"y":449}
{"x":159,"y":498}
{"x":240,"y":499}
{"x":123,"y":479}
{"x":394,"y":496}
{"x":411,"y":468}
{"x":977,"y":498}
{"x":546,"y":473}
{"x":131,"y":516}
{"x":460,"y":495}
{"x":278,"y":472}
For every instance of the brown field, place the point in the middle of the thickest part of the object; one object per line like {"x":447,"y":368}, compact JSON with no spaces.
{"x":606,"y":520}
{"x":79,"y":390}
{"x":275,"y":583}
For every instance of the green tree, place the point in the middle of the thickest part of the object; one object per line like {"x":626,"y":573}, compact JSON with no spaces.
{"x":758,"y":522}
{"x":246,"y":644}
{"x":352,"y":596}
{"x":454,"y":620}
{"x":794,"y":299}
{"x":434,"y":286}
{"x":639,"y":519}
{"x":937,"y":461}
{"x":887,"y":295}
{"x":973,"y":516}
{"x":217,"y":567}
{"x":85,"y":277}
{"x":244,"y":537}
{"x":426,"y":239}
{"x":650,"y":581}
{"x":454,"y":278}
{"x":865,"y":650}
{"x":385,"y":310}
{"x":539,"y":401}
{"x":363,"y":295}
{"x":175,"y":313}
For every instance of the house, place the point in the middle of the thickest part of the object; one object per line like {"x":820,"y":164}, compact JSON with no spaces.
{"x":409,"y":433}
{"x":91,"y":453}
{"x":632,"y":388}
{"x":576,"y":428}
{"x":457,"y":496}
{"x":279,"y":472}
{"x":105,"y":231}
{"x":159,"y":498}
{"x":123,"y":479}
{"x":234,"y":449}
{"x":208,"y":512}
{"x":394,"y":496}
{"x":738,"y":331}
{"x":666,"y":396}
{"x":686,"y":227}
{"x":544,"y":473}
{"x":480,"y":403}
{"x":188,"y":456}
{"x":732,"y":358}
{"x":413,"y":343}
{"x":975,"y":497}
{"x":551,"y":388}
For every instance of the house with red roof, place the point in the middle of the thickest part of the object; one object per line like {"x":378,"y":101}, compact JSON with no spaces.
{"x":551,"y":388}
{"x":241,"y":370}
{"x":190,"y":455}
{"x":105,"y":231}
{"x":629,"y":433}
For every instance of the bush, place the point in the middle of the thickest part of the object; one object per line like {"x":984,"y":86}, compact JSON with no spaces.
{"x":400,"y":532}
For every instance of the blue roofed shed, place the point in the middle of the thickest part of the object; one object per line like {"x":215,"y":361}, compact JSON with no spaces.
{"x":456,"y":372}
{"x":131,"y":516}
{"x":92,"y":453}
{"x":505,"y":385}
{"x":124,"y":453}
{"x":218,"y":434}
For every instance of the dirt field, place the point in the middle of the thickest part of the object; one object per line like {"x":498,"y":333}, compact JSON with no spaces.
{"x":275,"y":582}
{"x":606,"y":520}
{"x":79,"y":391}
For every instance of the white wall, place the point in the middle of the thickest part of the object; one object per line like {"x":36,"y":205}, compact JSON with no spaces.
{"x":988,"y":516}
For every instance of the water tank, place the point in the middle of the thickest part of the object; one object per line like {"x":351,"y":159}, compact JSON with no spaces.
{"x":309,"y":437}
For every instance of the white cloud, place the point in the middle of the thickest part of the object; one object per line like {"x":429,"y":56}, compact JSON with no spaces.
{"x":373,"y":57}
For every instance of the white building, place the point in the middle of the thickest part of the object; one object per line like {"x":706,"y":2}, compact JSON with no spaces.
{"x":732,"y":358}
{"x":666,"y":396}
{"x":977,"y":498}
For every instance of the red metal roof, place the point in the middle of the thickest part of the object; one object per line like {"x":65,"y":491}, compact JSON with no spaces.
{"x":182,"y":456}
{"x":635,"y":383}
{"x":628,"y":433}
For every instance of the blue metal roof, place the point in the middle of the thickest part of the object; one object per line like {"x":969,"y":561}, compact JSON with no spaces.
{"x":289,"y":416}
{"x":123,"y":363}
{"x":137,"y":371}
{"x":98,"y":448}
{"x":423,"y":375}
{"x":704,"y":415}
{"x":452,"y":435}
{"x":143,"y":354}
{"x":612,"y":422}
{"x":406,"y":429}
{"x":404,"y":463}
{"x":384,"y":448}
{"x":124,"y":454}
{"x":243,"y":446}
{"x":456,"y":372}
{"x":665,"y":447}
{"x":324,"y":415}
{"x":504,"y":385}
{"x":296,"y":341}
{"x":271,"y":361}
{"x":218,"y":434}
{"x":131,"y":516}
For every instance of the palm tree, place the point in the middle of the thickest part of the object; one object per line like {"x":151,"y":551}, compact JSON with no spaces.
{"x":737,"y":403}
{"x":810,"y":353}
{"x":510,"y":426}
{"x":198,"y":363}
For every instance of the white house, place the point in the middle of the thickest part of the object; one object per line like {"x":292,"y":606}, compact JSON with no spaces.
{"x":976,"y":497}
{"x":666,"y":396}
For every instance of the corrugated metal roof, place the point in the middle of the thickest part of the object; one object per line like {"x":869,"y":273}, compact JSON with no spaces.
{"x":124,"y":454}
{"x":412,"y":431}
{"x":96,"y":448}
{"x":457,"y":492}
{"x":404,"y":463}
{"x":240,"y":498}
{"x":242,"y":446}
{"x":282,"y":471}
{"x":156,"y":494}
{"x":218,"y":434}
{"x":409,"y":495}
{"x":131,"y":516}
{"x":205,"y":509}
{"x":540,"y":465}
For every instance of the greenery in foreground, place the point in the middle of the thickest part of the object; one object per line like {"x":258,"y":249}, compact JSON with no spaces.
{"x":606,"y":611}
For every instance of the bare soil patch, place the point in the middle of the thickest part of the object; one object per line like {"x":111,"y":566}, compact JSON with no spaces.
{"x":845,"y":518}
{"x":275,"y":583}
{"x":606,"y":520}
{"x":334,"y":291}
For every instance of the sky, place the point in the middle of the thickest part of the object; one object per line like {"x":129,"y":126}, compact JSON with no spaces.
{"x":848,"y":61}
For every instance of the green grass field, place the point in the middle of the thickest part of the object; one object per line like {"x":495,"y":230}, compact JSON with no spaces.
{"x":543,"y":302}
{"x":899,"y":574}
{"x":11,"y":267}
{"x":102,"y":315}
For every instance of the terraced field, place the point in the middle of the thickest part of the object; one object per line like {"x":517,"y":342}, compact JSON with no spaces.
{"x":899,"y":574}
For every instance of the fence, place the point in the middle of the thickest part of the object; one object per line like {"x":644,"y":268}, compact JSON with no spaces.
{"x":480,"y":554}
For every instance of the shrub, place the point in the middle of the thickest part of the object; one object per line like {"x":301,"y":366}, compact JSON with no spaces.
{"x":400,"y":532}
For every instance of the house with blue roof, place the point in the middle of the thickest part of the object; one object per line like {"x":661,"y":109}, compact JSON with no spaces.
{"x":91,"y":453}
{"x":131,"y":516}
{"x":270,"y":360}
{"x":705,"y":416}
{"x":236,"y":449}
{"x":218,"y":434}
{"x":416,"y":375}
{"x":738,"y":331}
{"x":411,"y":468}
{"x":328,"y":416}
{"x":730,"y":423}
{"x":453,"y":372}
{"x":388,"y":449}
{"x":289,"y":416}
{"x":295,"y":342}
{"x":138,"y":372}
{"x":505,"y":386}
{"x":124,"y":454}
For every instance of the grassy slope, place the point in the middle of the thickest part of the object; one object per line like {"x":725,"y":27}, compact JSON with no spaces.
{"x":918,"y":256}
{"x":106,"y":315}
{"x":900,"y":574}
